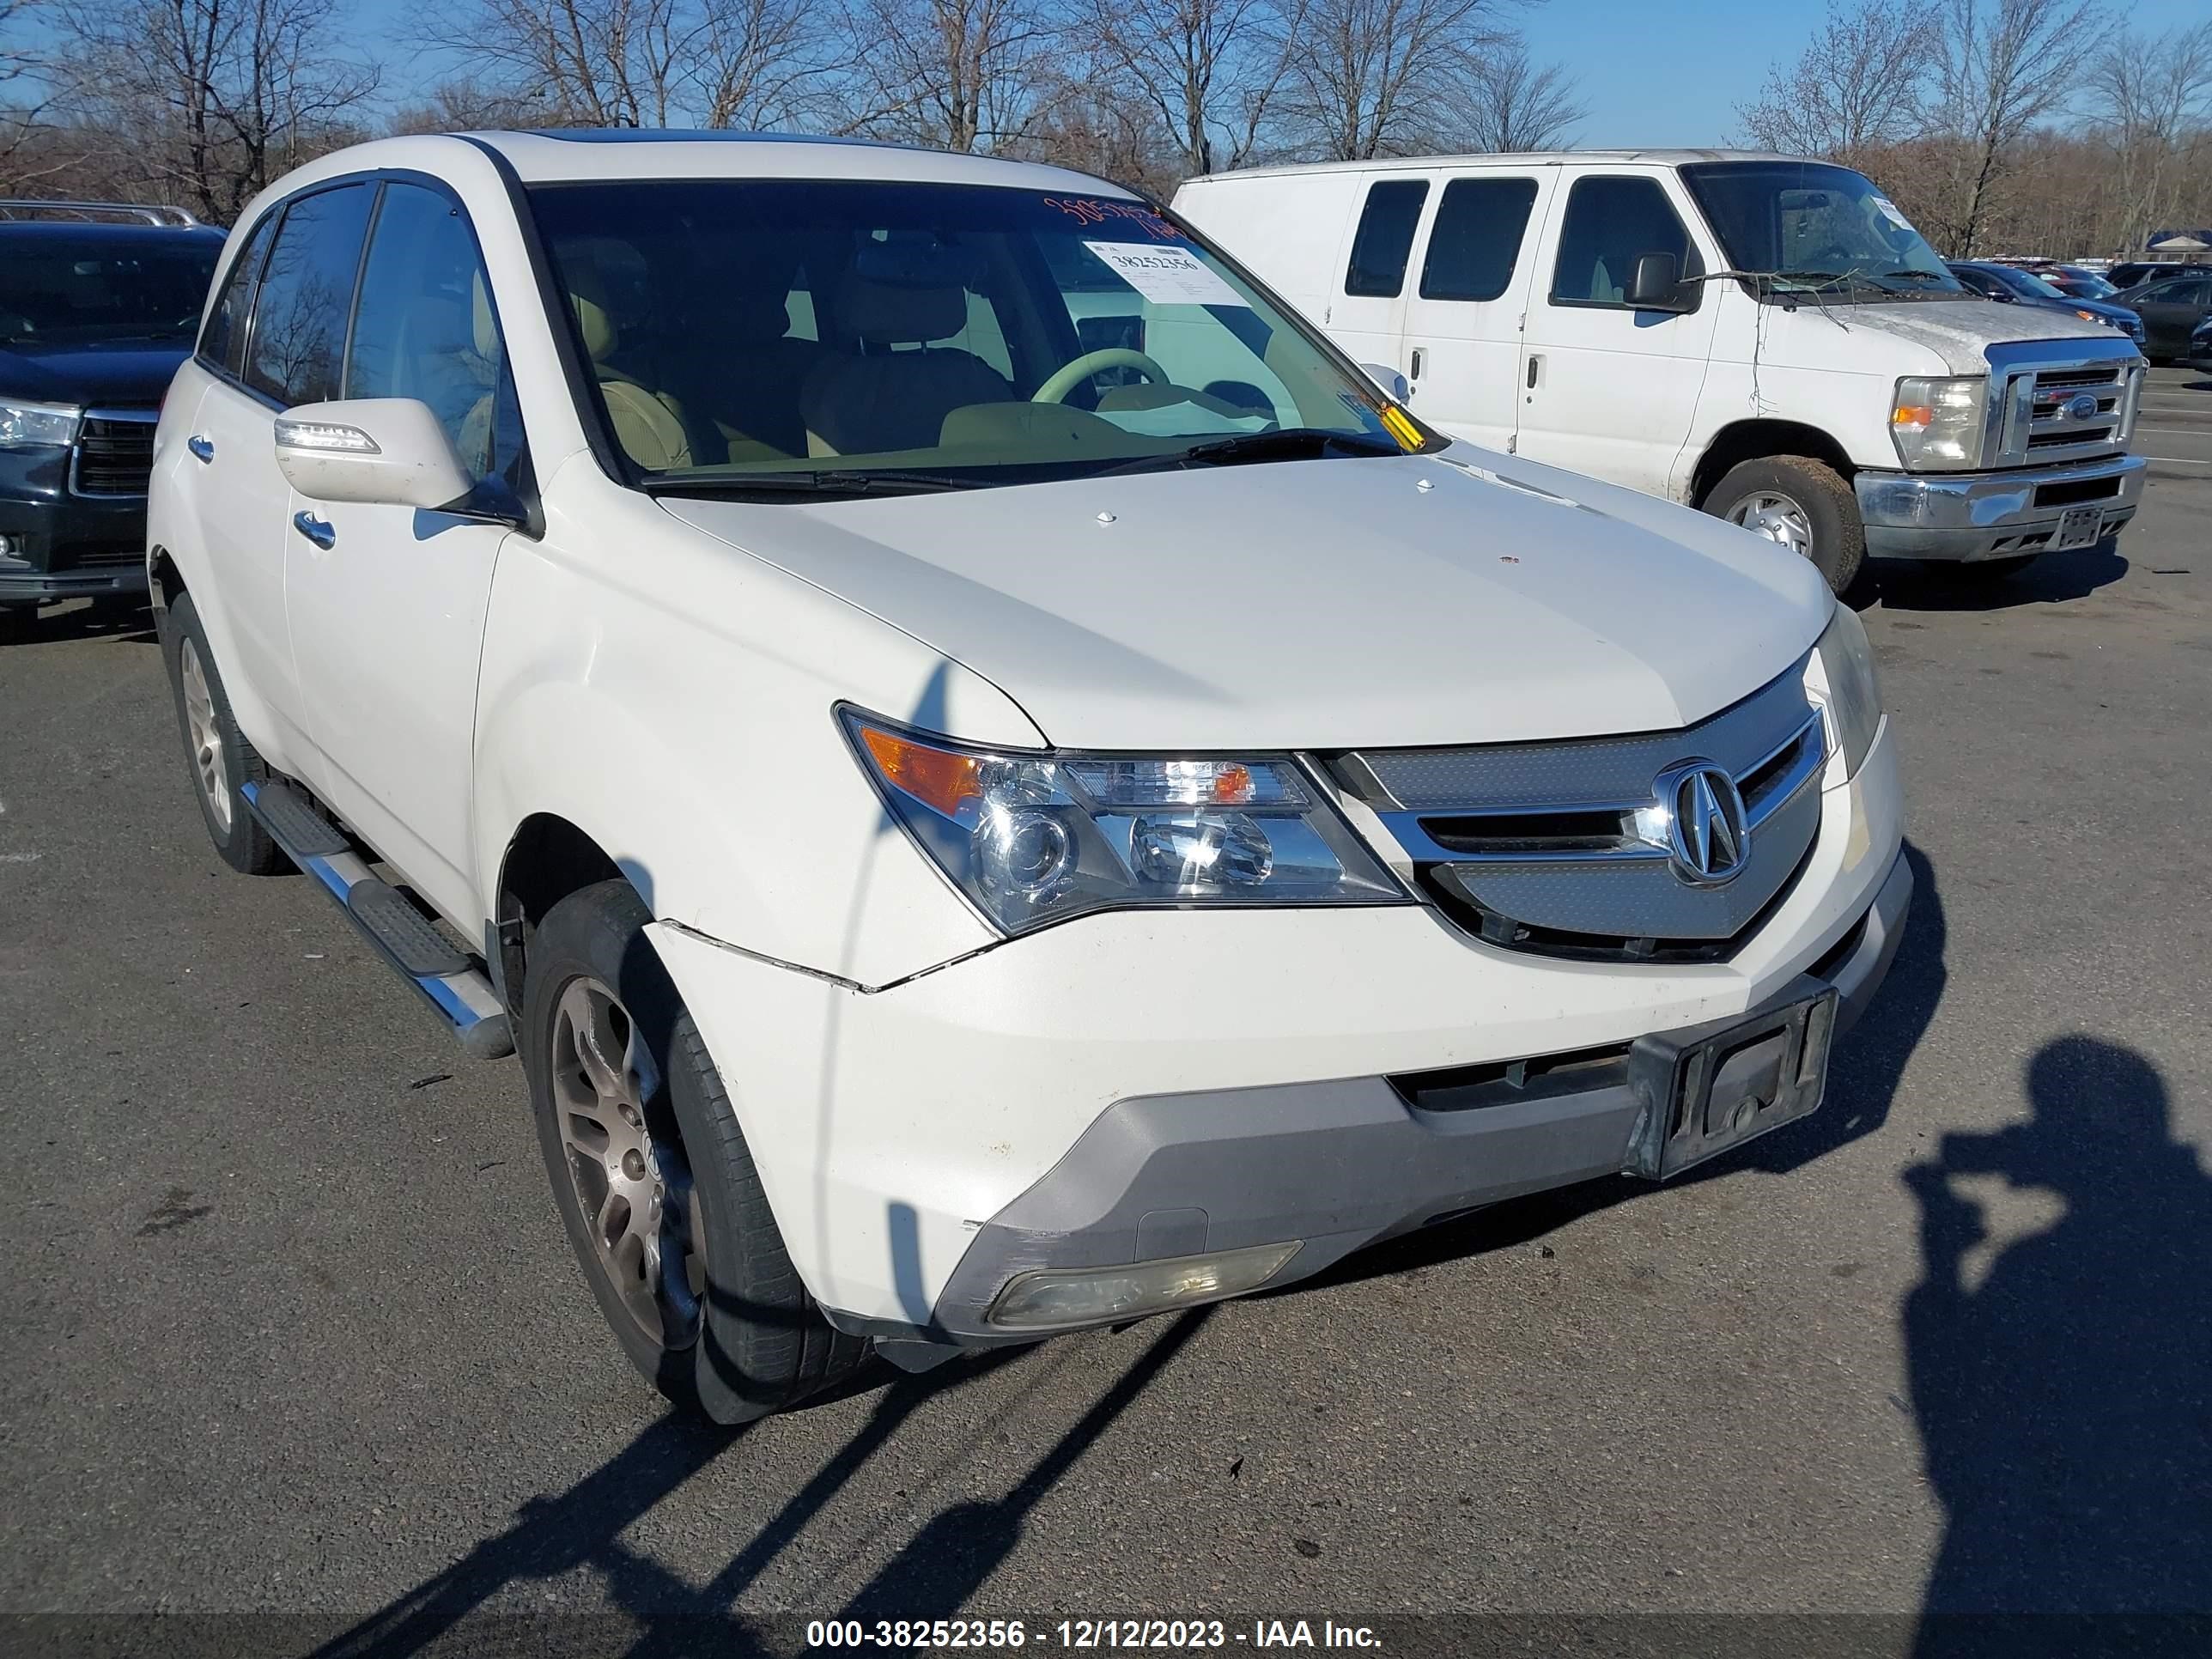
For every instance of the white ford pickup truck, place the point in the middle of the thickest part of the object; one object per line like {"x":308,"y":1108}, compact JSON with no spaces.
{"x":974,"y":834}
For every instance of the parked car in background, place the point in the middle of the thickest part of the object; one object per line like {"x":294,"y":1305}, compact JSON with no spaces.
{"x":2009,"y":285}
{"x":94,"y":317}
{"x":965,"y":848}
{"x":2074,"y":282}
{"x":2130,"y":273}
{"x":1760,"y":336}
{"x":2200,"y":345}
{"x":2171,"y":308}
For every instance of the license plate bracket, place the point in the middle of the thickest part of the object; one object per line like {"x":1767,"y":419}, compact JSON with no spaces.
{"x":2078,"y":527}
{"x":1710,"y":1087}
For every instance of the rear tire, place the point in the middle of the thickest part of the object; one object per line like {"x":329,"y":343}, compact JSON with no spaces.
{"x":653,"y":1177}
{"x":216,"y":753}
{"x":1799,"y":503}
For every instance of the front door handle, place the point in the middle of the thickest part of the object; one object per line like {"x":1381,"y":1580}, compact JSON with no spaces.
{"x":1535,"y":366}
{"x":203,"y":447}
{"x":316,"y":529}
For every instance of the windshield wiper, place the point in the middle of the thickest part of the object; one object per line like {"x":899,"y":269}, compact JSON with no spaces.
{"x":1914,"y":275}
{"x":1814,"y":281}
{"x":818,"y":483}
{"x":1297,"y":443}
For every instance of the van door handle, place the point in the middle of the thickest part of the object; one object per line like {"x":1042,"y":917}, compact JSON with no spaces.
{"x":1535,"y":364}
{"x":316,"y":529}
{"x":1413,"y":373}
{"x":203,"y":447}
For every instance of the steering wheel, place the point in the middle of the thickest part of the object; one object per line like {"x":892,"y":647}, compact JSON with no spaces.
{"x":1065,"y":379}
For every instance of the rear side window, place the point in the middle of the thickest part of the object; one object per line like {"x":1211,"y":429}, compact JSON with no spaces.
{"x":299,"y":311}
{"x":1476,"y":240}
{"x":1610,"y":224}
{"x":425,"y":328}
{"x":223,"y":342}
{"x":1385,"y":238}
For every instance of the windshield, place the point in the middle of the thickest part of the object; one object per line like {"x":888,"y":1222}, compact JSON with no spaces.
{"x":744,"y":332}
{"x":1810,"y":226}
{"x":79,"y":291}
{"x":2081,"y":284}
{"x":2024,"y":282}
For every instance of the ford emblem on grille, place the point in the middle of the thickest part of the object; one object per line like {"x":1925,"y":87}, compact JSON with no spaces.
{"x":2082,"y":406}
{"x":1707,"y":840}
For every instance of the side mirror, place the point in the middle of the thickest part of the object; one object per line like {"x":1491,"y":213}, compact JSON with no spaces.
{"x":1656,"y":284}
{"x":388,"y":451}
{"x":1394,"y":384}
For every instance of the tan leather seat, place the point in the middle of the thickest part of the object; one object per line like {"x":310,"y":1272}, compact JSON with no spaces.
{"x":886,"y":400}
{"x":648,"y":425}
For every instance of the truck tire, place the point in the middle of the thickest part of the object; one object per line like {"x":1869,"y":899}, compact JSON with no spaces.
{"x":220,"y":759}
{"x":653,"y":1177}
{"x":1802,"y":503}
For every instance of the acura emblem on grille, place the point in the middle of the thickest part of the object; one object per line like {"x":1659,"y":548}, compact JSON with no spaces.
{"x":1707,"y":838}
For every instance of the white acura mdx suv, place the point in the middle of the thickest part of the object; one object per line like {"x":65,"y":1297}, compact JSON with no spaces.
{"x":997,"y":783}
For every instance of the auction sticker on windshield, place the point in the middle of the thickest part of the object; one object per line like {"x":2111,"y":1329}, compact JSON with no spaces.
{"x":1166,"y":275}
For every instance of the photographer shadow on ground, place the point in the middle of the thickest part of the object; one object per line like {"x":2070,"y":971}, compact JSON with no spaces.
{"x":2064,"y":1386}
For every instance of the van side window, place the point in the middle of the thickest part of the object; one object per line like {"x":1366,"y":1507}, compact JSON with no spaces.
{"x":425,"y":328}
{"x":1476,"y":240}
{"x":1612,"y":222}
{"x":1385,"y":238}
{"x":223,"y":342}
{"x":306,"y":293}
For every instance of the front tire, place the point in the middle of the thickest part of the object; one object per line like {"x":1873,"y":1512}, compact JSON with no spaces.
{"x":1801,"y":504}
{"x":220,"y":760}
{"x":654,"y":1180}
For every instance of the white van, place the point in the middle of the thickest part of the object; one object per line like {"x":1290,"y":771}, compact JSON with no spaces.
{"x":1760,"y":336}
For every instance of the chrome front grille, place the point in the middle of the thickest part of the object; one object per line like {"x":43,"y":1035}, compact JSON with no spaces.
{"x":1566,"y":848}
{"x":2063,"y":400}
{"x":114,"y":453}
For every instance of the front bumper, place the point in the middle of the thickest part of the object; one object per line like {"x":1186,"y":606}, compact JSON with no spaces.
{"x":62,"y":545}
{"x":1968,"y":516}
{"x":900,"y":1130}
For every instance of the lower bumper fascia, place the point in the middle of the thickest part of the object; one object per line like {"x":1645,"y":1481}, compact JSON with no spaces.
{"x":1971,"y":516}
{"x":1335,"y":1166}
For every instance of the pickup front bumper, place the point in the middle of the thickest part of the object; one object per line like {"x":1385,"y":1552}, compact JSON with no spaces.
{"x":1968,"y":516}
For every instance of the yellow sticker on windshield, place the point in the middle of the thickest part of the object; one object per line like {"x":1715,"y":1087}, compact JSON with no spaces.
{"x":1400,"y":426}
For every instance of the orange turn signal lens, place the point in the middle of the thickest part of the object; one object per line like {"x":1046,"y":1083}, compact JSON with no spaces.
{"x":1912,"y":415}
{"x":936,"y":777}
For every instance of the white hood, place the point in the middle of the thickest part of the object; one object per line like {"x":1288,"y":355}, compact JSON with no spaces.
{"x":1960,"y":331}
{"x":1314,"y":604}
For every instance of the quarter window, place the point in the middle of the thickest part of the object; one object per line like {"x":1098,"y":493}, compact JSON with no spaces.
{"x":426,"y":328}
{"x":300,"y":313}
{"x":223,"y":342}
{"x":1610,"y":224}
{"x":1385,"y":238}
{"x":1476,"y":240}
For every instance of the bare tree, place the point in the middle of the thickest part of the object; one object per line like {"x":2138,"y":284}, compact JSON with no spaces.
{"x":2152,"y":96}
{"x":962,"y":75}
{"x":1855,"y":87}
{"x":754,"y":63}
{"x":17,"y":60}
{"x":466,"y":105}
{"x":2001,"y":66}
{"x":210,"y":99}
{"x":1210,"y":69}
{"x":1383,"y":78}
{"x":1518,"y":105}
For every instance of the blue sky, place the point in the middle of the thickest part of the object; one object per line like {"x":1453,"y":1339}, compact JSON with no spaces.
{"x":1652,"y":73}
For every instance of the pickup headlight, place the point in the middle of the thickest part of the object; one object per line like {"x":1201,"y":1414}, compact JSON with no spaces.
{"x":1840,"y":678}
{"x":1937,"y":424}
{"x":1032,"y":838}
{"x":28,"y":426}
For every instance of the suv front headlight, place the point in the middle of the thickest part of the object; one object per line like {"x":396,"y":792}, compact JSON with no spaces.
{"x":1032,"y":838}
{"x":1937,"y":424}
{"x":1839,"y":677}
{"x":32,"y":426}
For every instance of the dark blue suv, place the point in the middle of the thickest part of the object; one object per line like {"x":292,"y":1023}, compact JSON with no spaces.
{"x":2009,"y":285}
{"x":94,"y":317}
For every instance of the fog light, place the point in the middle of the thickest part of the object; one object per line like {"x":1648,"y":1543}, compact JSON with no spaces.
{"x":9,"y":547}
{"x":1052,"y":1298}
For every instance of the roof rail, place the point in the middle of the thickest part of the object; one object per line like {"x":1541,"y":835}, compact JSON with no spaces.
{"x":152,"y":213}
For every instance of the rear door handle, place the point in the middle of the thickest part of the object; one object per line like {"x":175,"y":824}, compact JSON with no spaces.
{"x":316,"y":529}
{"x":1414,"y":372}
{"x":203,"y":447}
{"x":1535,"y":364}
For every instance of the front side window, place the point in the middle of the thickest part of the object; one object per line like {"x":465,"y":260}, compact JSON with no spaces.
{"x":1610,"y":224}
{"x":1476,"y":240}
{"x":223,"y":342}
{"x":736,"y":330}
{"x":425,"y":328}
{"x":1814,"y":228}
{"x":299,"y":311}
{"x":80,"y":288}
{"x":1384,"y":240}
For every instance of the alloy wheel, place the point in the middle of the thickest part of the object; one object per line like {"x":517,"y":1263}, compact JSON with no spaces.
{"x":626,"y":1159}
{"x":204,"y":734}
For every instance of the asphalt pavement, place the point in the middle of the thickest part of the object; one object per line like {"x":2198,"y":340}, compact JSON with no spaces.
{"x":291,"y":1331}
